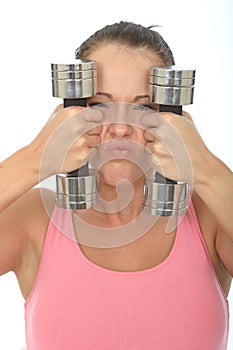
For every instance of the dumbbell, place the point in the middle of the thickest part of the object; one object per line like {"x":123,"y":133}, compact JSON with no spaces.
{"x":171,"y":87}
{"x":74,"y":83}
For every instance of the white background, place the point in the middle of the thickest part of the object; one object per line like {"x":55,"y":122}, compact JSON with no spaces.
{"x":34,"y":34}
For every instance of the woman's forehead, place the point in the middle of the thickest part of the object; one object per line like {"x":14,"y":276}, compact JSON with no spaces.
{"x":118,"y":54}
{"x":122,"y":72}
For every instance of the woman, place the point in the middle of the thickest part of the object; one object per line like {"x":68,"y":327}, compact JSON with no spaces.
{"x":159,"y":291}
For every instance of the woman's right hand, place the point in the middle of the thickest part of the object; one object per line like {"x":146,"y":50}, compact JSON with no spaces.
{"x":65,"y":142}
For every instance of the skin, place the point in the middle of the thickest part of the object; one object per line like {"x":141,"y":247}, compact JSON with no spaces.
{"x":122,"y":77}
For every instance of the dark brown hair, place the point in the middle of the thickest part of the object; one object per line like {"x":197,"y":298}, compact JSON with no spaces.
{"x":131,"y":35}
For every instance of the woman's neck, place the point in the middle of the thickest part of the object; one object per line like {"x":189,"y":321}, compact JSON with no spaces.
{"x":122,"y":203}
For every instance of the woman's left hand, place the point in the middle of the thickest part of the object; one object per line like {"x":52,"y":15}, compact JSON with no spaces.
{"x":178,"y":151}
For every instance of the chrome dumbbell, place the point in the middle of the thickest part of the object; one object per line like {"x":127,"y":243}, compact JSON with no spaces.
{"x":75,"y":83}
{"x":171,"y":87}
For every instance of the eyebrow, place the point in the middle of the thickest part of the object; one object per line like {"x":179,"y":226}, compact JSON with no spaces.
{"x":104,"y":94}
{"x":136,"y":98}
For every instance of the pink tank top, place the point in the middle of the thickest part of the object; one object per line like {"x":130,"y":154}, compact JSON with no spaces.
{"x":77,"y":305}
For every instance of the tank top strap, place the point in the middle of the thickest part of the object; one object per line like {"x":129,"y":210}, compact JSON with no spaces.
{"x":63,"y":221}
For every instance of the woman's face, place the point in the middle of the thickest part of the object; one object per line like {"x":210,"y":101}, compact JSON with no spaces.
{"x":123,"y":77}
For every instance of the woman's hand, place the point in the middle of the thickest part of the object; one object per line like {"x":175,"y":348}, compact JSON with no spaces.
{"x":65,"y":142}
{"x":178,"y":151}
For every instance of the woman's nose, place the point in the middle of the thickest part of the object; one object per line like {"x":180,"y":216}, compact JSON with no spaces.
{"x":119,"y":130}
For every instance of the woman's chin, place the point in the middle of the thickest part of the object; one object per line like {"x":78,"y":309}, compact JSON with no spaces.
{"x":115,"y":171}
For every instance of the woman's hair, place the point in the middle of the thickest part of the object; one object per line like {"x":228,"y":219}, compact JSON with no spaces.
{"x":128,"y":34}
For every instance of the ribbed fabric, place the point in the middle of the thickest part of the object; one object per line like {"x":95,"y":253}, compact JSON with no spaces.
{"x":77,"y":305}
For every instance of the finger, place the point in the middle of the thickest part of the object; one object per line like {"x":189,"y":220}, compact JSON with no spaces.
{"x":75,"y":113}
{"x":79,"y":123}
{"x":56,"y":111}
{"x":61,"y":114}
{"x":158,"y":148}
{"x":91,"y":115}
{"x":95,"y":131}
{"x":92,"y":153}
{"x":148,"y":135}
{"x":174,"y":118}
{"x":58,"y":108}
{"x":166,"y":130}
{"x":187,"y":116}
{"x":93,"y":141}
{"x":151,"y":120}
{"x":168,"y":116}
{"x":153,"y":147}
{"x":150,"y":147}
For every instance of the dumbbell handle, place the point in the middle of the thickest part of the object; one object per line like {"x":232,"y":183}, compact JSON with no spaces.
{"x":82,"y":102}
{"x":173,"y":109}
{"x":170,"y":108}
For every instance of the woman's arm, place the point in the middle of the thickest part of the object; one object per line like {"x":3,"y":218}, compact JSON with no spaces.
{"x":18,"y":174}
{"x":63,"y":144}
{"x":215,"y":188}
{"x":182,"y":154}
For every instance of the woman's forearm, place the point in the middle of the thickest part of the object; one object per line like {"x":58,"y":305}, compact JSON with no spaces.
{"x":215,"y":188}
{"x":18,"y":174}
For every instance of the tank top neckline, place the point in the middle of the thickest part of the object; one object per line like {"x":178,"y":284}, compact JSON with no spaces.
{"x":85,"y":259}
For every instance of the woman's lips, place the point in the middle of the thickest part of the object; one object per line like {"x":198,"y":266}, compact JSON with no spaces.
{"x":119,"y":146}
{"x":122,"y":149}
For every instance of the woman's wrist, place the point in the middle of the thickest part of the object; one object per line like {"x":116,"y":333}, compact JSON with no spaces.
{"x":31,"y":158}
{"x":24,"y":163}
{"x":211,"y":172}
